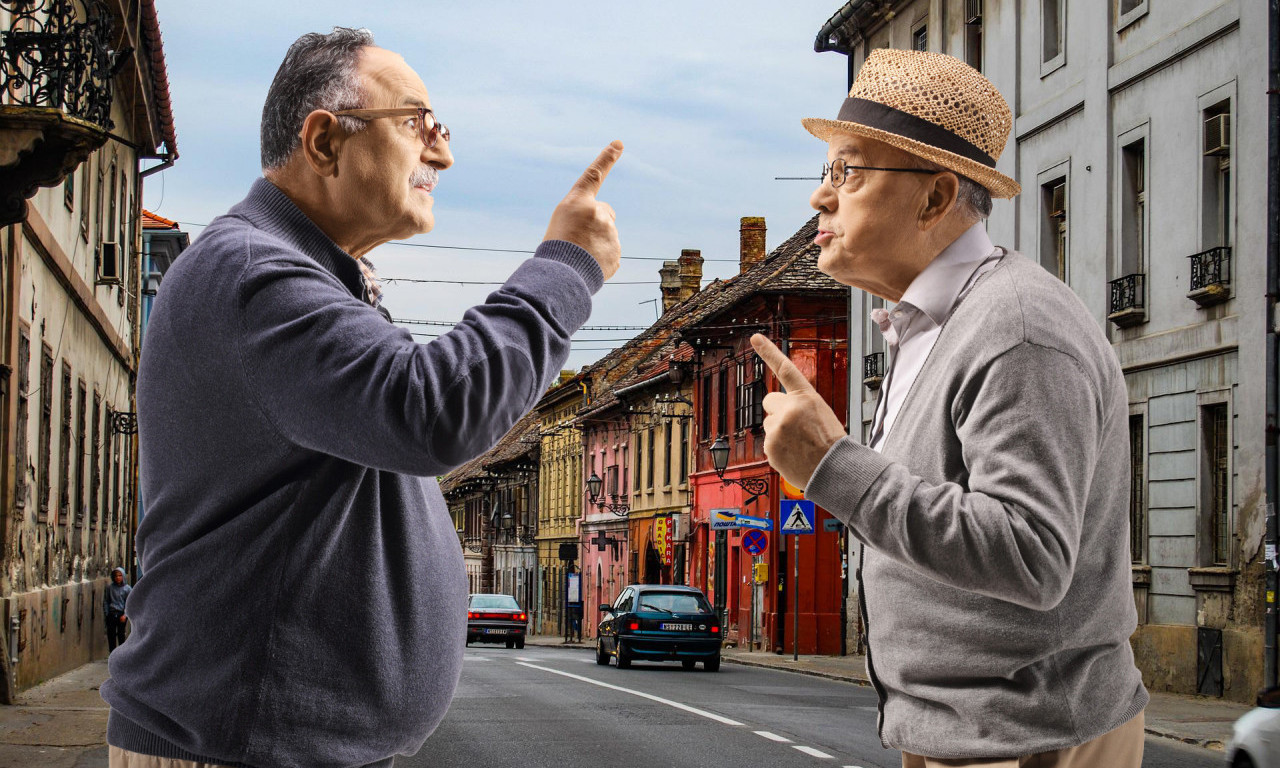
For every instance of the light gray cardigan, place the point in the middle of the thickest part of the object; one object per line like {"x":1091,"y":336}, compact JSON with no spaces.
{"x":997,"y":582}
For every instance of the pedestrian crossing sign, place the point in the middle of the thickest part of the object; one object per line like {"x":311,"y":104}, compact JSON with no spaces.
{"x":797,"y":516}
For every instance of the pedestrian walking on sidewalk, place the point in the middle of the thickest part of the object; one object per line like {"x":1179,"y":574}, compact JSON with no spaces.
{"x":113,"y":608}
{"x":290,"y":433}
{"x":992,"y":498}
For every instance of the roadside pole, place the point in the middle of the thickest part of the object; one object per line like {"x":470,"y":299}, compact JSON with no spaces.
{"x":795,"y":601}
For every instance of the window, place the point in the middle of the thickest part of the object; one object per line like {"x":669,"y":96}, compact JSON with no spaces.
{"x":648,"y":475}
{"x":1053,"y":227}
{"x":1137,"y":507}
{"x":611,"y":480}
{"x":1216,"y":176}
{"x":126,"y":245}
{"x":115,"y":474}
{"x":1129,"y":12}
{"x":722,"y":403}
{"x":1215,"y":479}
{"x":69,"y":190}
{"x":920,"y":38}
{"x":64,"y":447}
{"x":95,"y":466}
{"x":1052,"y":24}
{"x":750,"y":409}
{"x":46,"y":431}
{"x":81,"y":432}
{"x":666,"y":453}
{"x":625,"y":466}
{"x":639,"y":454}
{"x":24,"y":393}
{"x":706,"y":407}
{"x":84,"y":201}
{"x":973,"y":33}
{"x":684,"y":450}
{"x":1133,"y":211}
{"x":99,"y":207}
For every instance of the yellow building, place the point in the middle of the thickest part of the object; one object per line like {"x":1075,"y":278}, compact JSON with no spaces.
{"x":561,"y":488}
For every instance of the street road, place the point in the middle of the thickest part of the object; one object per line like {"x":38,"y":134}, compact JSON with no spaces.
{"x":554,"y":708}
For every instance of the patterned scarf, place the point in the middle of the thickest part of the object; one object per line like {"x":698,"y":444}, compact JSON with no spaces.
{"x":372,"y":288}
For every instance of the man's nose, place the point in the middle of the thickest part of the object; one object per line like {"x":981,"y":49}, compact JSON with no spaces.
{"x":439,"y":156}
{"x":824,"y":197}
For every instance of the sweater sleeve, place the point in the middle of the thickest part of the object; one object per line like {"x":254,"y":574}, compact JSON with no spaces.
{"x":332,"y":375}
{"x":1028,"y":426}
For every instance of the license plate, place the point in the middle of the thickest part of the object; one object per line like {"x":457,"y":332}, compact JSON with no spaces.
{"x":677,"y":627}
{"x":496,"y":631}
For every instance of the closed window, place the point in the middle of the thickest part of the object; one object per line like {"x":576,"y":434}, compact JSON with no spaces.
{"x":1133,"y":208}
{"x":1215,"y":523}
{"x":1137,"y":500}
{"x":1053,"y":227}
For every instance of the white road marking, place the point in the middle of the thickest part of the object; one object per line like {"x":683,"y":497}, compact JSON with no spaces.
{"x":773,"y":737}
{"x":641,"y":694}
{"x":811,"y":751}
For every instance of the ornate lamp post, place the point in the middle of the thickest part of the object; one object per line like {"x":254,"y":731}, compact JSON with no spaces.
{"x":621,"y":509}
{"x":756,"y":486}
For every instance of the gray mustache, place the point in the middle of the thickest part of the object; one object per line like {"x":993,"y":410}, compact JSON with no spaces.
{"x":424,"y":175}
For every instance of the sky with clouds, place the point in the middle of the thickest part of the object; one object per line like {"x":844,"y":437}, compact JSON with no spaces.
{"x":707,"y":96}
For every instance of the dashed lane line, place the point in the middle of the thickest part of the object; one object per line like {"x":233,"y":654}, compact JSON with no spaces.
{"x":811,"y":751}
{"x":641,"y":694}
{"x":774,"y":737}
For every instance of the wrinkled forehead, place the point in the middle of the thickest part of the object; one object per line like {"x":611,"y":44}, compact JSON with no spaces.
{"x":860,"y":150}
{"x":389,"y":81}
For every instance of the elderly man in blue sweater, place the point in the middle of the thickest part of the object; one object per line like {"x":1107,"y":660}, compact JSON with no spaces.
{"x":288,"y":432}
{"x":992,"y":494}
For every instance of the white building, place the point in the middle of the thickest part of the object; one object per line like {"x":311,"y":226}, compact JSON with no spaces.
{"x":1130,"y":119}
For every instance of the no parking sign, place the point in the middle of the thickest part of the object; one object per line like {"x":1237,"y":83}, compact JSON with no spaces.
{"x":755,"y":542}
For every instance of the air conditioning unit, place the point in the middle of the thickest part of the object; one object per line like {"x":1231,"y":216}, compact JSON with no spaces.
{"x":1217,"y":135}
{"x":1058,"y":202}
{"x":108,"y":263}
{"x":973,"y":12}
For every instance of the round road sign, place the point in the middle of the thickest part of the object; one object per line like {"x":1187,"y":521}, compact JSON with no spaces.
{"x":755,"y":542}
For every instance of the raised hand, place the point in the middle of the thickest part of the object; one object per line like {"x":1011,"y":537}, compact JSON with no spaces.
{"x":799,"y":426}
{"x":586,"y":222}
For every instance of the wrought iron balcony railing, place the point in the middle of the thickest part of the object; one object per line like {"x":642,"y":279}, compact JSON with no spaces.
{"x":873,"y":370}
{"x":1211,"y":276}
{"x":1128,"y":300}
{"x":54,"y":58}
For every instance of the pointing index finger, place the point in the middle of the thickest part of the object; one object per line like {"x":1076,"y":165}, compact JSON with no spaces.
{"x":591,"y":179}
{"x":788,"y":374}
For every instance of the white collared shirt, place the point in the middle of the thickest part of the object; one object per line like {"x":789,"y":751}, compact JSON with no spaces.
{"x":912,"y":326}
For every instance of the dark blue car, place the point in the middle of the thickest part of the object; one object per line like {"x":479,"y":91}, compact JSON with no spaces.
{"x":659,"y":622}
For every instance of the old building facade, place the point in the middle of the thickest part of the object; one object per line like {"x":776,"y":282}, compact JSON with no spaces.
{"x":1130,"y":119}
{"x":84,"y":103}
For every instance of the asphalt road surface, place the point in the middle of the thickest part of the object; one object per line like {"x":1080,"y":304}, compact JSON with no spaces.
{"x":554,"y":708}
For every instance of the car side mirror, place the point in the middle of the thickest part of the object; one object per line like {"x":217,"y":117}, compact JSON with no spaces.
{"x":606,"y":608}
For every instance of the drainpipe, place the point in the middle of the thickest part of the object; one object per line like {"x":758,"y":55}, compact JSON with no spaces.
{"x":1273,"y":292}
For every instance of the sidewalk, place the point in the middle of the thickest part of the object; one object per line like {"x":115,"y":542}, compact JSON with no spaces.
{"x":1202,"y":721}
{"x":63,"y":723}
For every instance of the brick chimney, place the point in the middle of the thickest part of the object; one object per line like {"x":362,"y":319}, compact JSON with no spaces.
{"x":670,"y":285}
{"x":681,"y":279}
{"x":752,"y":242}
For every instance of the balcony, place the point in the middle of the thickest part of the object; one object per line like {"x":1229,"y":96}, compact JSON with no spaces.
{"x":873,"y":370}
{"x":1211,"y":276}
{"x":55,"y":76}
{"x":1128,"y":300}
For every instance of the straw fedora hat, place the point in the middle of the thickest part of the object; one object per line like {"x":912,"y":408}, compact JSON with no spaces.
{"x":933,"y":106}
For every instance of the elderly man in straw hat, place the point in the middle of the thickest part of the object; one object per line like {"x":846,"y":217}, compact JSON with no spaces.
{"x":992,"y":497}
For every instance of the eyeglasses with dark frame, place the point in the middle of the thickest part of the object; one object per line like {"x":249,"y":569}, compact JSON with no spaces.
{"x":429,"y":129}
{"x":839,"y":171}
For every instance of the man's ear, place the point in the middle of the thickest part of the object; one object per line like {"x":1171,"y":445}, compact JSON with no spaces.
{"x":941,"y":191}
{"x":322,"y":140}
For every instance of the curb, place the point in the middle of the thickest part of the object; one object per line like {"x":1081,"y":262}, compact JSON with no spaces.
{"x":797,"y":670}
{"x":1212,"y":744}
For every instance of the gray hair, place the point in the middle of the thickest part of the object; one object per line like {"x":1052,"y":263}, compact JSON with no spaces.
{"x":973,"y":199}
{"x":318,"y":72}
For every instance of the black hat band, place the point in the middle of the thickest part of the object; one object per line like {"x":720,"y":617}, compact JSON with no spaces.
{"x":873,"y":114}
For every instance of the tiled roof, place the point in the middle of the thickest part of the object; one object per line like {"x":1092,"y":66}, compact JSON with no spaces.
{"x":155,"y":221}
{"x":159,"y":75}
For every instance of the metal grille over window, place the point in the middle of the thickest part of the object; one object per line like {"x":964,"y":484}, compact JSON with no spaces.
{"x":873,"y":370}
{"x":1128,"y":300}
{"x":1137,"y":506}
{"x":1219,"y":449}
{"x":1211,"y":276}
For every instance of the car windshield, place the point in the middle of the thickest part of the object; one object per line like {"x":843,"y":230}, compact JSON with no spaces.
{"x":494,"y":602}
{"x":674,"y":602}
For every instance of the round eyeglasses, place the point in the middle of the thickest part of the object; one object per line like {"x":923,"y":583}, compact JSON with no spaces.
{"x":839,"y":171}
{"x":429,"y":130}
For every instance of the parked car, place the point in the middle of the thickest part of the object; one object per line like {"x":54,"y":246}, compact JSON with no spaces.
{"x":1255,"y":738}
{"x":496,"y":619}
{"x":659,"y":622}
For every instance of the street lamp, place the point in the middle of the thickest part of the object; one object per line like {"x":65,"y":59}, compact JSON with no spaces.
{"x":594,"y":483}
{"x":756,"y":486}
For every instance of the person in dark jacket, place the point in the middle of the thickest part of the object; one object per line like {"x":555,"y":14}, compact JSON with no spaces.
{"x":113,"y":613}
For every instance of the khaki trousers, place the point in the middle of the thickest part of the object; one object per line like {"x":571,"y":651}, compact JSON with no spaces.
{"x":1121,"y":748}
{"x":123,"y":758}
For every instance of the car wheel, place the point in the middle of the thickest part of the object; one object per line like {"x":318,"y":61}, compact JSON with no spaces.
{"x":602,"y":657}
{"x":511,"y":644}
{"x":624,"y":659}
{"x":712,"y":665}
{"x":519,"y":643}
{"x":688,"y":663}
{"x":1242,"y":761}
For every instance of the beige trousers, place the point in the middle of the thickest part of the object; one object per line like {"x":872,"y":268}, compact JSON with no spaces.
{"x":1121,"y":748}
{"x":123,"y":758}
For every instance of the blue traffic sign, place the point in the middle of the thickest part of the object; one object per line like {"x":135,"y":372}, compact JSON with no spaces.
{"x":755,"y":542}
{"x":796,"y":517}
{"x":758,"y":523}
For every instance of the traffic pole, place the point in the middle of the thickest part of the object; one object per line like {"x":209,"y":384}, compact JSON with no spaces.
{"x":795,"y":599}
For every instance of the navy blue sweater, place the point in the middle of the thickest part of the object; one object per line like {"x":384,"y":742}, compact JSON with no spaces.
{"x":289,"y":441}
